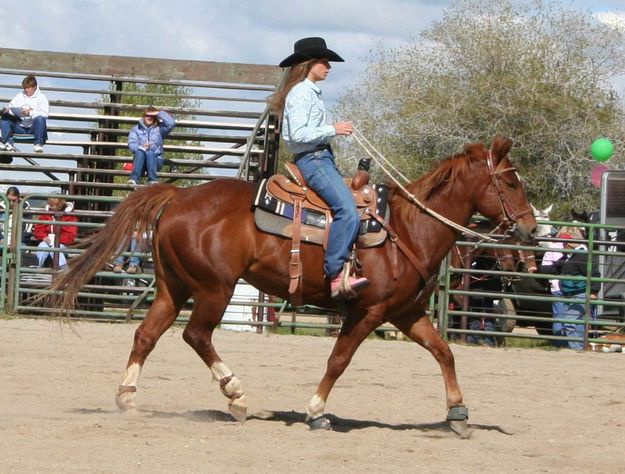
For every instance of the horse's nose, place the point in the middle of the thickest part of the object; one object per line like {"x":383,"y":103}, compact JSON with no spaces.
{"x":526,"y":234}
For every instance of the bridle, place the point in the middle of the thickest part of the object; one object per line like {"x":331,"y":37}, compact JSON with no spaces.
{"x":510,"y":213}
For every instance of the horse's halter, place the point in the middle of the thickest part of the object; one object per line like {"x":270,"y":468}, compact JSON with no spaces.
{"x":510,"y":213}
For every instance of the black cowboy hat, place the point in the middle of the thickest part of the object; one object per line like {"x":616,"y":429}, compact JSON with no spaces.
{"x":310,"y":48}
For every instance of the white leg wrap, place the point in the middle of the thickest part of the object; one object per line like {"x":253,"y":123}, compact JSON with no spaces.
{"x":131,"y":376}
{"x":220,"y":370}
{"x":315,"y":408}
{"x":229,"y":384}
{"x":127,"y":391}
{"x":231,"y":387}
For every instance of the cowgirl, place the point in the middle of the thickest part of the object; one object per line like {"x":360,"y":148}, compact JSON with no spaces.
{"x":307,"y":136}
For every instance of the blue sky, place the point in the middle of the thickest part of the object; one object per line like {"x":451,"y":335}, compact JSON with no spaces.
{"x":248,"y":31}
{"x":254,"y":31}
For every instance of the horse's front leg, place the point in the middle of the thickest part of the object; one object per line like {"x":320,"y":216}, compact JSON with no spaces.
{"x":419,"y":328}
{"x":353,"y":332}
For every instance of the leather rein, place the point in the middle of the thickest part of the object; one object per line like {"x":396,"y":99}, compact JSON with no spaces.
{"x":510,"y":213}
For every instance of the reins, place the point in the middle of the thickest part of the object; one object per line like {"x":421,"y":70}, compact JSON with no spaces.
{"x":383,"y":163}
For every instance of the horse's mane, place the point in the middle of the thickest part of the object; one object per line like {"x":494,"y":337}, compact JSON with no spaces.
{"x":444,"y":173}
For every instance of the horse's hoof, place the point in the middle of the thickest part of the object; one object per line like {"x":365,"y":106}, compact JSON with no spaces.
{"x":125,"y":402}
{"x":461,"y":428}
{"x":458,"y":417}
{"x":238,"y":409}
{"x":320,"y":423}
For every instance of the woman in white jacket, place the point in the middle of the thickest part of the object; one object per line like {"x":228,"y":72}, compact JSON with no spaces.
{"x":27,"y":113}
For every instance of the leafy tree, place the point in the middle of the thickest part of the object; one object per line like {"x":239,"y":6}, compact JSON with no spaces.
{"x":537,"y":73}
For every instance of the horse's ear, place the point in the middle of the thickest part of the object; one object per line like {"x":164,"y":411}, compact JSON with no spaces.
{"x":501,"y":147}
{"x":579,"y":216}
{"x":474,"y":149}
{"x":548,"y":209}
{"x":535,"y":211}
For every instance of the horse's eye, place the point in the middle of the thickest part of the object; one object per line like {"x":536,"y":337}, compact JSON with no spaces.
{"x":511,"y":182}
{"x":521,"y":179}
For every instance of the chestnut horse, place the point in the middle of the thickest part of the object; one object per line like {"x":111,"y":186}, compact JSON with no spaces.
{"x":205,"y":239}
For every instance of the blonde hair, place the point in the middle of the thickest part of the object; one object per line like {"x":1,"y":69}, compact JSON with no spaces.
{"x":295,"y":75}
{"x":574,"y":231}
{"x":29,"y":81}
{"x":57,"y":201}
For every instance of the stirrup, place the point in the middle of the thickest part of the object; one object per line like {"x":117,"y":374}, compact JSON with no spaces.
{"x":347,"y":286}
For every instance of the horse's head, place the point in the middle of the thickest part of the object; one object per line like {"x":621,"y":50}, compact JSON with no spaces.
{"x":507,"y":259}
{"x":543,"y":229}
{"x":503,"y":200}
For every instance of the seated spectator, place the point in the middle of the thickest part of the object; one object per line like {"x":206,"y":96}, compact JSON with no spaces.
{"x":27,"y":113}
{"x":52,"y":233}
{"x":134,"y":261}
{"x":145,"y":141}
{"x":13,"y":195}
{"x":574,"y":264}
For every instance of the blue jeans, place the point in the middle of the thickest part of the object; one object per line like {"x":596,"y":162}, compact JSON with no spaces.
{"x":134,"y":257}
{"x":321,"y":174}
{"x":146,"y":161}
{"x":558,"y":309}
{"x":576,"y":311}
{"x":481,"y":324}
{"x":43,"y":254}
{"x":39,"y":129}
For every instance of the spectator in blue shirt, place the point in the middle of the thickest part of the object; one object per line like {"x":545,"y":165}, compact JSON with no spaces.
{"x":145,"y":141}
{"x":307,"y":136}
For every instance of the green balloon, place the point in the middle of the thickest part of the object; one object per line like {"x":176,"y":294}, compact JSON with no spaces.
{"x":601,"y":149}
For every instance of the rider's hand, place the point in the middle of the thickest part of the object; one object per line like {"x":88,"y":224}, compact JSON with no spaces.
{"x":343,"y":128}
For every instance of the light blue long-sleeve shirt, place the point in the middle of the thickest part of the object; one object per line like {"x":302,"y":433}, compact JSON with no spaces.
{"x":304,"y":125}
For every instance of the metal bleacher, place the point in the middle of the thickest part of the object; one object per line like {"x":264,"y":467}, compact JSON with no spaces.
{"x":223,"y":125}
{"x":223,"y":129}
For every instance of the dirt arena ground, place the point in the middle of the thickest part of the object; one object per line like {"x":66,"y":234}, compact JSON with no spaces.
{"x":531,"y":410}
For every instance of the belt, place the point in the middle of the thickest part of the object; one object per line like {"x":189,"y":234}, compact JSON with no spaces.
{"x":314,"y":150}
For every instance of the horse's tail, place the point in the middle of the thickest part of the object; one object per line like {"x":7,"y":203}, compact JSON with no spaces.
{"x":138,"y":212}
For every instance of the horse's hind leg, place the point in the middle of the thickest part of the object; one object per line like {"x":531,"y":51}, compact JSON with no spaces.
{"x":208,"y":309}
{"x":158,"y":319}
{"x":423,"y":332}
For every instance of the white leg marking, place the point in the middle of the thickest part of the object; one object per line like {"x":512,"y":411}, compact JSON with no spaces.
{"x":131,"y":376}
{"x":237,"y":403}
{"x":233,"y":388}
{"x":315,"y":408}
{"x":126,"y":399}
{"x":220,"y":370}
